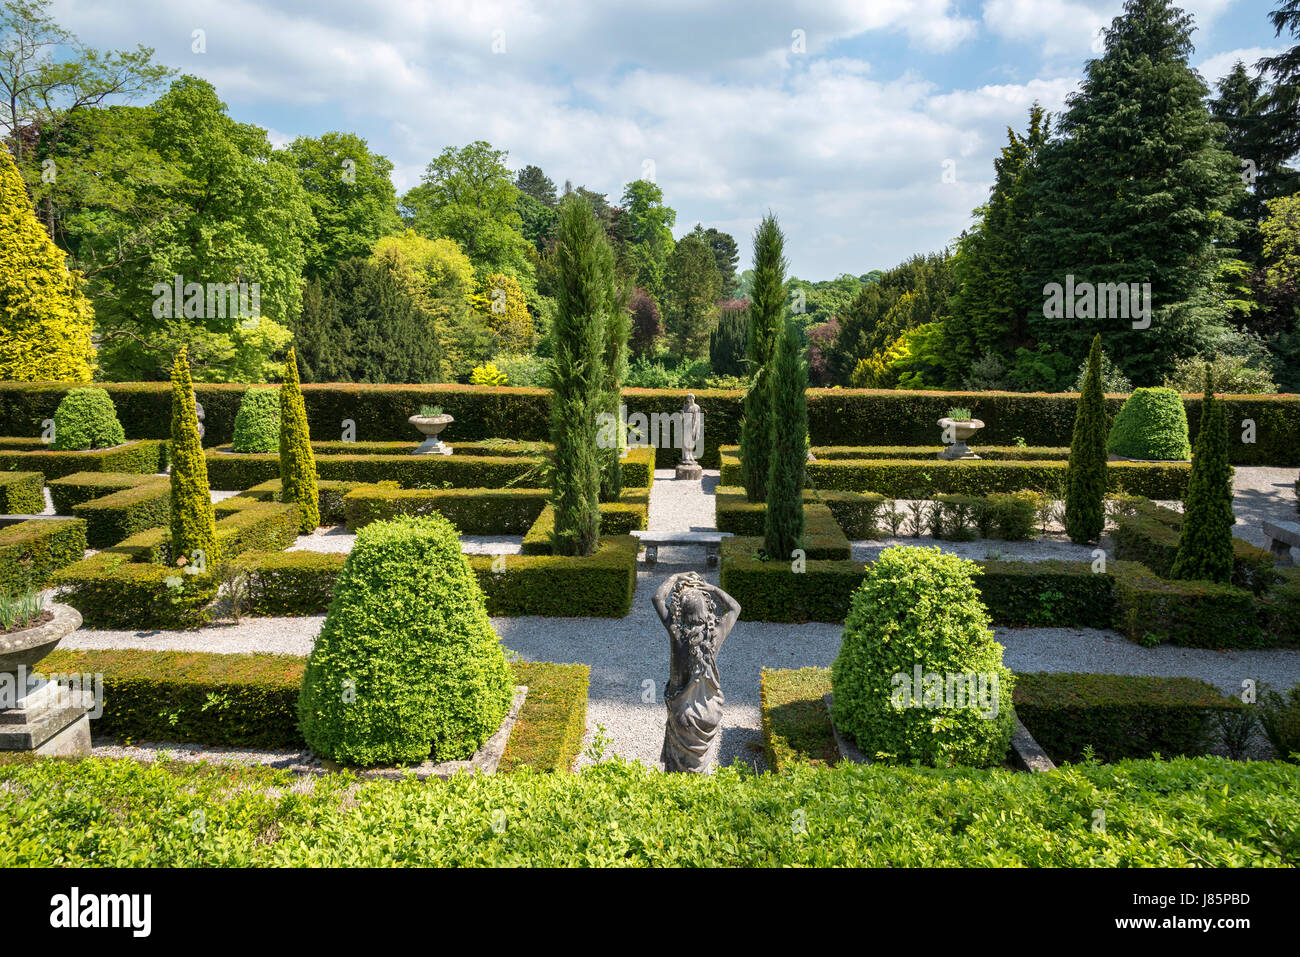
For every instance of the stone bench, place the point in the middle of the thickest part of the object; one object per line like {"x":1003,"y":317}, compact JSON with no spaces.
{"x":1282,"y":537}
{"x":651,"y":540}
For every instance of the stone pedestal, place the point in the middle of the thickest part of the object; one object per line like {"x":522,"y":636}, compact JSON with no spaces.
{"x":690,"y":470}
{"x":49,"y":720}
{"x":958,"y":450}
{"x":432,"y":446}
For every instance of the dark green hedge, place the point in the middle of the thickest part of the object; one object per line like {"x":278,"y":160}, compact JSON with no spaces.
{"x":290,"y":583}
{"x":1150,"y":610}
{"x":1278,"y":612}
{"x":32,"y":552}
{"x":474,"y":511}
{"x":21,"y":493}
{"x":770,"y":591}
{"x":113,"y":592}
{"x":600,"y":585}
{"x":995,"y":453}
{"x":72,"y":490}
{"x":1150,"y":536}
{"x":836,"y":417}
{"x":1118,"y":716}
{"x":856,"y":513}
{"x":31,"y":455}
{"x":118,"y":515}
{"x":329,"y":496}
{"x":1047,"y":593}
{"x":630,"y":513}
{"x":229,"y":471}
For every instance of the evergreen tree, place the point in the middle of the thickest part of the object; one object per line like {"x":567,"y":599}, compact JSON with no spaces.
{"x":1085,"y":494}
{"x":1284,"y":69}
{"x":297,"y":462}
{"x":584,"y":298}
{"x":783,"y":518}
{"x":45,"y":320}
{"x":1134,"y":191}
{"x":767,"y":308}
{"x":729,"y":340}
{"x":1205,"y":545}
{"x":692,"y":289}
{"x":988,"y":314}
{"x":616,"y":334}
{"x":531,"y":181}
{"x":193,"y":524}
{"x":647,"y":326}
{"x":726,"y":254}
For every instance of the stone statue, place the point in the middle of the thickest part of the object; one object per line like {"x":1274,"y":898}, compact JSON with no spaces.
{"x":692,"y":429}
{"x":686,"y":605}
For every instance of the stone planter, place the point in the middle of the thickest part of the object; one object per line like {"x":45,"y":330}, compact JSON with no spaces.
{"x":431,"y":426}
{"x":40,"y":716}
{"x":962,"y":430}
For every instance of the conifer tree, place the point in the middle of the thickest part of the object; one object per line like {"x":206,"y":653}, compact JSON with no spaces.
{"x":783,"y":518}
{"x":45,"y":319}
{"x":617,"y":327}
{"x":1085,"y":495}
{"x":728,"y":342}
{"x":584,"y":298}
{"x":1205,"y":545}
{"x":193,"y":523}
{"x":767,"y":307}
{"x":297,"y":462}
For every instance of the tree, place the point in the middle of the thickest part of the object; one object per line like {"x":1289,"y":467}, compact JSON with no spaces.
{"x":297,"y":462}
{"x":645,"y":225}
{"x":1085,"y":494}
{"x":988,"y":314}
{"x":531,"y":181}
{"x":730,"y":339}
{"x":501,"y":302}
{"x":783,"y":517}
{"x":691,"y":296}
{"x":1205,"y":544}
{"x":1284,"y":69}
{"x":351,"y":197}
{"x":193,"y":524}
{"x":1152,"y":213}
{"x":767,"y":309}
{"x":585,"y":298}
{"x":647,"y":326}
{"x":617,"y":327}
{"x":45,"y":320}
{"x":725,"y":254}
{"x":467,"y":195}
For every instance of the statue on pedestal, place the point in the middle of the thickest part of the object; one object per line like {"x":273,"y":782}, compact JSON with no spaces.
{"x":691,"y":433}
{"x":688,"y":606}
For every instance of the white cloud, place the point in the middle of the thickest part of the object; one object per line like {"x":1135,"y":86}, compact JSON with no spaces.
{"x":1218,"y":66}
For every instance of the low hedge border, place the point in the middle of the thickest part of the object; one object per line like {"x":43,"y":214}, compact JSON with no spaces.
{"x":1150,"y":536}
{"x":32,"y":552}
{"x":631,"y":513}
{"x":141,"y":456}
{"x":1150,"y":610}
{"x":289,"y":584}
{"x":856,"y":513}
{"x":329,"y":496}
{"x":119,"y":515}
{"x":1118,"y":716}
{"x":899,"y":478}
{"x":600,"y":585}
{"x":474,"y":511}
{"x":993,"y":453}
{"x":1047,"y":594}
{"x":22,"y":493}
{"x":238,"y":472}
{"x":251,"y":701}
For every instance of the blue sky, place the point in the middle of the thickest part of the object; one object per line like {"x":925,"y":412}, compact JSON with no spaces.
{"x":838,"y":116}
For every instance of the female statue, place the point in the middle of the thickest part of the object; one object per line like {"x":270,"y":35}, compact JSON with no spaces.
{"x":686,"y":605}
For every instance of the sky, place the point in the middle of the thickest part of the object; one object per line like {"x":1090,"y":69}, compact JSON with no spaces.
{"x":869,"y":128}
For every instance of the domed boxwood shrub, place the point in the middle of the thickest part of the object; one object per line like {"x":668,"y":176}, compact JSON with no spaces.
{"x":407,"y":665}
{"x":1152,"y":424}
{"x":918,"y":614}
{"x":86,"y":419}
{"x":257,"y":426}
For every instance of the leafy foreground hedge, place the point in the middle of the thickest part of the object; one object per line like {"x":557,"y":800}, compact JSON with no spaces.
{"x":1187,"y":812}
{"x":251,"y":701}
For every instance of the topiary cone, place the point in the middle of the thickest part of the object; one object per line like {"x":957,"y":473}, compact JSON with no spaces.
{"x":297,"y":463}
{"x":1085,"y":495}
{"x":193,"y":524}
{"x":1205,"y":544}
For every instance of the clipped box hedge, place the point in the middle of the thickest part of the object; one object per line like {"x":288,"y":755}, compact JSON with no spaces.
{"x":1150,"y":536}
{"x":856,"y":513}
{"x":1118,"y":716}
{"x":1047,"y":593}
{"x":631,"y":513}
{"x":1151,"y":610}
{"x":140,"y":456}
{"x":288,"y":584}
{"x":32,"y":552}
{"x":115,"y":505}
{"x":329,"y":495}
{"x":995,"y":453}
{"x":474,"y":511}
{"x":600,"y":585}
{"x":22,"y":493}
{"x":836,"y":417}
{"x":232,"y":471}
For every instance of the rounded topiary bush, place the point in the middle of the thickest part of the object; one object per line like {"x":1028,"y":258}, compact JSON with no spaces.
{"x":86,"y":419}
{"x":257,"y":425}
{"x":407,"y":665}
{"x":918,"y":676}
{"x":1152,"y":424}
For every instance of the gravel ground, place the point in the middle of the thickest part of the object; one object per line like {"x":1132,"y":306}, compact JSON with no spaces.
{"x":1032,"y":550}
{"x":1262,"y":493}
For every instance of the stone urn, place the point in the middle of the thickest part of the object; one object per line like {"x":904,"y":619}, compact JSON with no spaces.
{"x":960,"y":430}
{"x":431,"y":426}
{"x":40,"y":715}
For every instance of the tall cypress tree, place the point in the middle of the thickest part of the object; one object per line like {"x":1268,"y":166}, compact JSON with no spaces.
{"x":783,"y":518}
{"x":1205,"y":545}
{"x":193,"y":523}
{"x":584,"y":266}
{"x":729,"y":341}
{"x":297,"y":461}
{"x":1085,"y":493}
{"x":617,"y":327}
{"x":1134,"y":191}
{"x":767,"y":307}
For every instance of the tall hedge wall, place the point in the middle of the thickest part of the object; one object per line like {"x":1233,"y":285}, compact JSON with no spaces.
{"x":835,"y":416}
